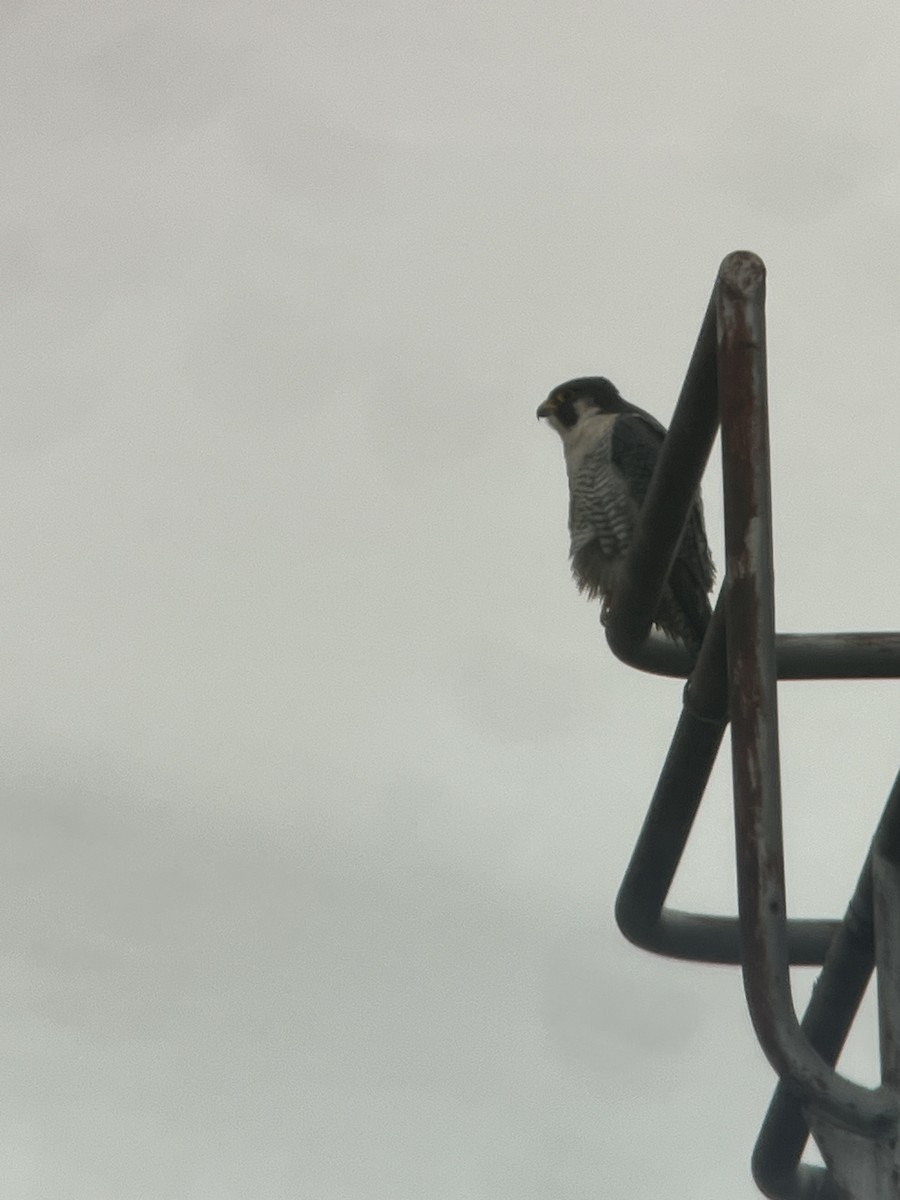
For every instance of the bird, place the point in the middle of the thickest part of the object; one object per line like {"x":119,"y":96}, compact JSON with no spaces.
{"x":611,"y":448}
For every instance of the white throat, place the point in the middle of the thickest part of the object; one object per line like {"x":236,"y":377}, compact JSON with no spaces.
{"x":581,"y":438}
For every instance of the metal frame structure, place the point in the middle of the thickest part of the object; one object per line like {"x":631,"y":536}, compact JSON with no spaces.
{"x":734,"y":680}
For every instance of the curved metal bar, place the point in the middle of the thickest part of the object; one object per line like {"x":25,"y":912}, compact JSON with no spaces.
{"x":753,"y":710}
{"x":832,"y":1007}
{"x":640,"y":910}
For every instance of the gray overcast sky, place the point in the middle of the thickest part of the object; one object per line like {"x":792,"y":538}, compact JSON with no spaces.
{"x":318,"y":779}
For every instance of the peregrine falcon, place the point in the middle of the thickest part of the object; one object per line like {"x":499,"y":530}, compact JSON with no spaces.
{"x":611,"y":448}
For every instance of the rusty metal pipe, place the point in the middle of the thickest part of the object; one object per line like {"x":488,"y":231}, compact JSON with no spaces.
{"x":753,"y":710}
{"x":832,"y":1008}
{"x":640,"y":910}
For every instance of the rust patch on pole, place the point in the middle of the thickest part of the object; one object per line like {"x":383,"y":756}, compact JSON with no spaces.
{"x":750,"y":622}
{"x":735,"y":679}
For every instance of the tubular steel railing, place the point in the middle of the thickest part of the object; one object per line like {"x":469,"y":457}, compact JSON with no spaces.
{"x":735,"y":680}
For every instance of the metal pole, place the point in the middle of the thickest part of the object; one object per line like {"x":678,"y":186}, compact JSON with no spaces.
{"x":754,"y":714}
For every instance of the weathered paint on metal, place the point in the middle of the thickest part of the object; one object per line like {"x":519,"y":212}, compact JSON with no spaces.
{"x":640,"y":910}
{"x":750,"y":620}
{"x":833,"y":1005}
{"x":856,"y":1127}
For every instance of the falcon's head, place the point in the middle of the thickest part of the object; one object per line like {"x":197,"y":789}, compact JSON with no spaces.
{"x":569,"y":402}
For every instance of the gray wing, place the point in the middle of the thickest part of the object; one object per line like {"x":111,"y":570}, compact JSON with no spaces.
{"x":636,"y":448}
{"x":636,"y":441}
{"x":695,"y":550}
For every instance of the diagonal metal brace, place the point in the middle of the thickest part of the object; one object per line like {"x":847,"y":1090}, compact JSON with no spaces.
{"x":735,"y":679}
{"x":750,"y":626}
